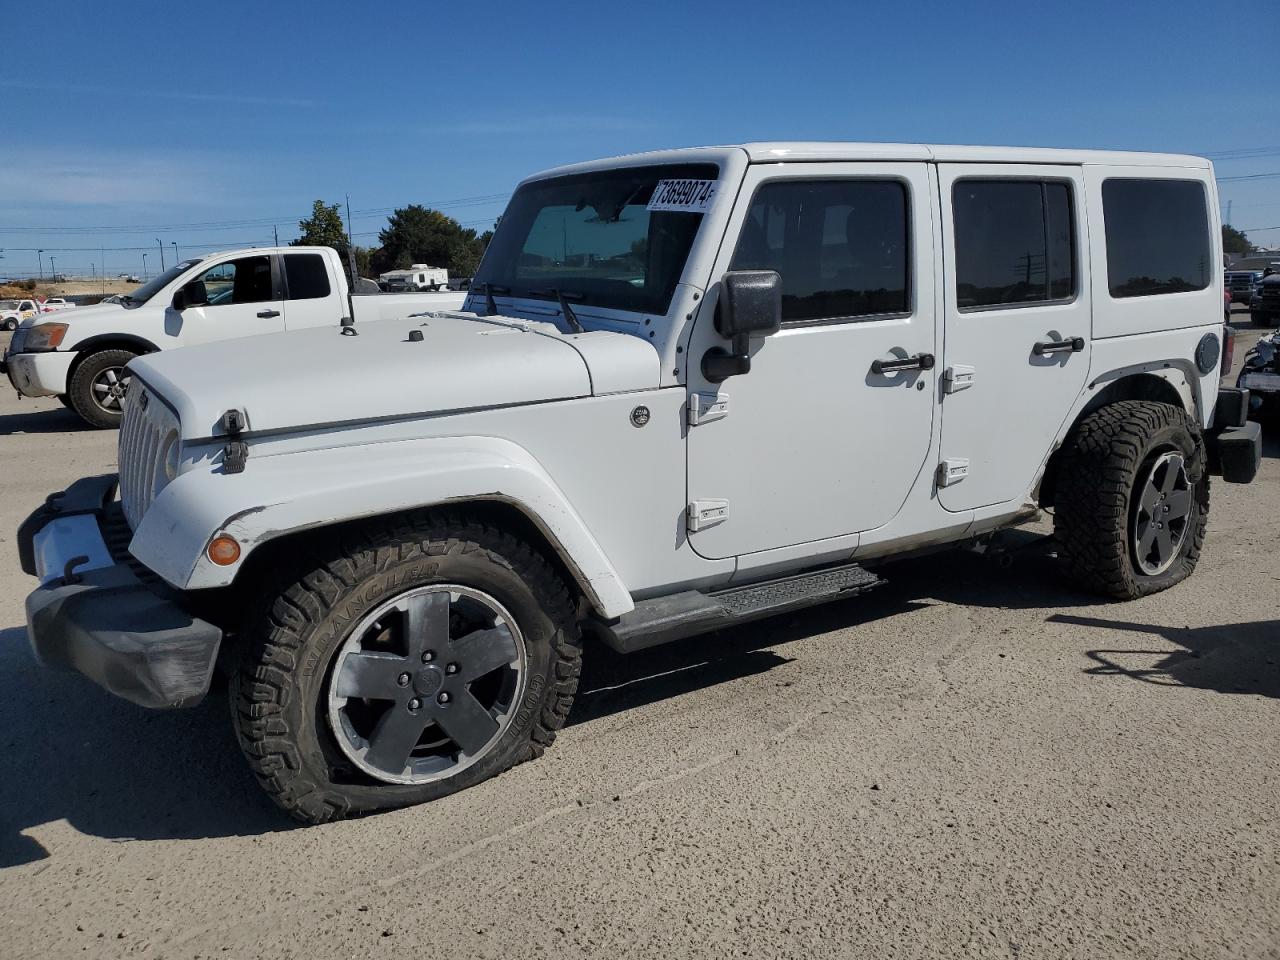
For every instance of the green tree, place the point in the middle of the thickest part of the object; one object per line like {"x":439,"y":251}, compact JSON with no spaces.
{"x":416,"y":234}
{"x":323,"y":228}
{"x":1235,"y":241}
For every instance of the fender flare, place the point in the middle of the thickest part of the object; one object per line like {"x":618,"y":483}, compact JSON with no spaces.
{"x":281,"y":494}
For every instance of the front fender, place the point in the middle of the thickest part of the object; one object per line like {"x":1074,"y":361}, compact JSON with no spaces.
{"x":278,"y":495}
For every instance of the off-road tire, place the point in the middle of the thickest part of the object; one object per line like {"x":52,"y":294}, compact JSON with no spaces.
{"x":80,"y":389}
{"x":65,"y":401}
{"x":278,"y":687}
{"x":1102,"y":465}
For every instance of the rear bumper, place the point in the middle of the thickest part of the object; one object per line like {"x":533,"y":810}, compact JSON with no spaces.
{"x":95,"y":616}
{"x":1234,"y":442}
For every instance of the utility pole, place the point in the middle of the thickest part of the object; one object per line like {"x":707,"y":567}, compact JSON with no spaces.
{"x":161,"y":246}
{"x":53,"y":269}
{"x":175,"y":251}
{"x":144,"y":268}
{"x":40,"y":262}
{"x":103,"y":253}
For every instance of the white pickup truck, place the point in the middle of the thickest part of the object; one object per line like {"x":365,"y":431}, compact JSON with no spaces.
{"x":81,"y":359}
{"x":13,"y":312}
{"x":764,"y":372}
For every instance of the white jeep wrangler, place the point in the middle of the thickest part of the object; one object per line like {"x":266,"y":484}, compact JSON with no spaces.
{"x":687,"y":389}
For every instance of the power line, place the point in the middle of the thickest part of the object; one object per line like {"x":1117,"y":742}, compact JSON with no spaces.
{"x":1250,"y":176}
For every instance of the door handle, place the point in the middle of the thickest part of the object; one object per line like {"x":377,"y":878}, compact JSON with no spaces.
{"x":921,"y":361}
{"x":1074,"y":345}
{"x":268,"y":314}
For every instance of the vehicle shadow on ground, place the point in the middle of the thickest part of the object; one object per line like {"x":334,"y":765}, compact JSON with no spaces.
{"x":41,"y":421}
{"x":114,"y":770}
{"x":1229,"y":658}
{"x":118,"y":771}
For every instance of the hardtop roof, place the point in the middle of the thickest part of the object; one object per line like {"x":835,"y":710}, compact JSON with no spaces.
{"x":833,"y":151}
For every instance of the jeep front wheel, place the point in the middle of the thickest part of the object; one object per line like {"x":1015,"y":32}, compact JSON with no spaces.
{"x":98,"y":387}
{"x":429,"y":658}
{"x":1132,"y":499}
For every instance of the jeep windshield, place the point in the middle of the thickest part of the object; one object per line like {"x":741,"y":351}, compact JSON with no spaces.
{"x":156,"y":284}
{"x":611,"y":239}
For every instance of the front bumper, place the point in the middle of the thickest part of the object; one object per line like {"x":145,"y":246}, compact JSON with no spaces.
{"x":39,"y":374}
{"x":95,"y":615}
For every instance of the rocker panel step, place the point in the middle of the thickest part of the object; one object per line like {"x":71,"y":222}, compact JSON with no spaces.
{"x":664,"y":619}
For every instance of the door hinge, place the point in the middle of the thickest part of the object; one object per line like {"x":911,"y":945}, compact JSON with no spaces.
{"x":705,"y":407}
{"x":706,"y":513}
{"x":957,"y":378}
{"x":236,"y":451}
{"x":952,"y":470}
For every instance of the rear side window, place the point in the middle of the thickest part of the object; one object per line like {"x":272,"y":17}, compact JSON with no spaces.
{"x":1015,"y":242}
{"x":840,"y":246}
{"x":1157,"y":236}
{"x":306,"y":276}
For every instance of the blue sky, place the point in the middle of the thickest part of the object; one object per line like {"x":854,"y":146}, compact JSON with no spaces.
{"x":205,"y":124}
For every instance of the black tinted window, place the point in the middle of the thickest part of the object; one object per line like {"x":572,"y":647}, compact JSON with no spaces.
{"x":840,"y":246}
{"x":1157,"y":236}
{"x":1015,"y":242}
{"x":247,"y":280}
{"x":306,"y":276}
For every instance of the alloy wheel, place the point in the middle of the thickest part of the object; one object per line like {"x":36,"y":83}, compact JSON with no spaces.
{"x":1162,"y":514}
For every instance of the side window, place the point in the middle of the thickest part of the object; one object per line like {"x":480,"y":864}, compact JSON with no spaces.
{"x":306,"y":276}
{"x":1015,"y":242}
{"x":247,"y":280}
{"x":840,"y":246}
{"x":1157,"y":236}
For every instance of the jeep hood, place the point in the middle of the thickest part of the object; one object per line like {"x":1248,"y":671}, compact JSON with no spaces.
{"x":304,"y":378}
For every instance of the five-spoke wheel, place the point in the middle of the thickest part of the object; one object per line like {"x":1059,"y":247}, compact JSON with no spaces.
{"x":425,"y":683}
{"x":1161,"y":512}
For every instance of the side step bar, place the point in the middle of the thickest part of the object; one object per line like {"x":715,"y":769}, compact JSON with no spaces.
{"x":664,"y":619}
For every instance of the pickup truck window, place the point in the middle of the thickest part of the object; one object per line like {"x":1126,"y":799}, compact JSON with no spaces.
{"x":840,"y":246}
{"x":248,"y":280}
{"x":1015,"y":242}
{"x":157,"y":283}
{"x":593,"y":238}
{"x":1157,"y":236}
{"x":305,"y":276}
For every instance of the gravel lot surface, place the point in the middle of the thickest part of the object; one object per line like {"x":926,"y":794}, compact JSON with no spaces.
{"x":970,"y":761}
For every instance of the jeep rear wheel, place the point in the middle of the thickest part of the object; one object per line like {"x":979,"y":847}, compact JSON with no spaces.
{"x":1132,"y":499}
{"x":98,"y":387}
{"x":430,"y":656}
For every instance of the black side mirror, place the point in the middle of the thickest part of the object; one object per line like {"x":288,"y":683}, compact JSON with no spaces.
{"x":750,"y":305}
{"x":191,"y":295}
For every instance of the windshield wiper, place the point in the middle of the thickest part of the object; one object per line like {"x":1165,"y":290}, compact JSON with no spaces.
{"x":563,"y":297}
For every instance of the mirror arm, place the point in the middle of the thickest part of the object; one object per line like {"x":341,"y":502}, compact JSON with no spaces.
{"x":719,"y":364}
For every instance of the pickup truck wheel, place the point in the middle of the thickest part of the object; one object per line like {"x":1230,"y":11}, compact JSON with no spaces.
{"x":98,"y":386}
{"x":423,"y":658}
{"x":11,"y":323}
{"x":1132,"y":499}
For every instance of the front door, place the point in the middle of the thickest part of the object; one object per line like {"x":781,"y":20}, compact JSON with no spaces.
{"x":813,"y":442}
{"x":1017,"y":321}
{"x":244,"y":299}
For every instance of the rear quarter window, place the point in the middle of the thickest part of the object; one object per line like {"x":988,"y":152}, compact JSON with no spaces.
{"x":1158,"y":238}
{"x":306,"y":276}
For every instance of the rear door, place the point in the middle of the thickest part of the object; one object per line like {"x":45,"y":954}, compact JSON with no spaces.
{"x":244,"y":299}
{"x":309,"y":291}
{"x":1017,"y":323}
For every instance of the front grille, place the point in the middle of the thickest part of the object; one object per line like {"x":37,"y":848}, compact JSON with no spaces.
{"x":144,"y":430}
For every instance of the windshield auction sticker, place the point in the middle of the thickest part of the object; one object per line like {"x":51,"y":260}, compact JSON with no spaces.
{"x":682,"y":196}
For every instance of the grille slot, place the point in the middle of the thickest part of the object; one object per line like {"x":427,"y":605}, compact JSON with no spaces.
{"x":143,"y":430}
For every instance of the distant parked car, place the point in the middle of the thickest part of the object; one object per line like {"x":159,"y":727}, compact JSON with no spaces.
{"x":53,"y":304}
{"x":1242,"y":284}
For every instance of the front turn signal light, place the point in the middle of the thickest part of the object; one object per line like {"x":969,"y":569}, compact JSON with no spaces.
{"x":223,"y":550}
